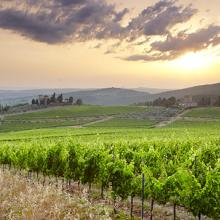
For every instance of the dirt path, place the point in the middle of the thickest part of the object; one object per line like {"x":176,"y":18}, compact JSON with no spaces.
{"x":98,"y":121}
{"x":91,"y":123}
{"x":171,"y":120}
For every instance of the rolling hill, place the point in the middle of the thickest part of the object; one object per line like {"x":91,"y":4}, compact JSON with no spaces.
{"x":110,"y":96}
{"x":13,"y":97}
{"x":150,"y":90}
{"x":209,"y":89}
{"x":118,"y":96}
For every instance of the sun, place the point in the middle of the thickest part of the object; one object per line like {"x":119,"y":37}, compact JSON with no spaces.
{"x":192,"y":61}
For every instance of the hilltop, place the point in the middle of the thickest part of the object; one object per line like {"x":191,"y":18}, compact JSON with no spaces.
{"x":110,"y":96}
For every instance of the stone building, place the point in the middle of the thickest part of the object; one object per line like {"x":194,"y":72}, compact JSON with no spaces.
{"x":43,"y":99}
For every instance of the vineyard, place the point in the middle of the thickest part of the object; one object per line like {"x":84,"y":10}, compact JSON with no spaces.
{"x":212,"y":113}
{"x":86,"y":116}
{"x":183,"y":173}
{"x":125,"y":159}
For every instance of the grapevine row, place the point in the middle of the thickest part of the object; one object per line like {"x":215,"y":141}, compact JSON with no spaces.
{"x":183,"y":173}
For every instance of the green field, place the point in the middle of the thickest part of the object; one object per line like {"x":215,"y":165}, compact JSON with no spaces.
{"x":68,"y":116}
{"x":77,"y":111}
{"x":208,"y":112}
{"x":176,"y":131}
{"x":123,"y":123}
{"x":9,"y":125}
{"x":199,"y":125}
{"x":200,"y":118}
{"x":31,"y":125}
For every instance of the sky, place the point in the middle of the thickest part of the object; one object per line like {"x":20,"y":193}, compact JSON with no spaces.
{"x":104,"y":43}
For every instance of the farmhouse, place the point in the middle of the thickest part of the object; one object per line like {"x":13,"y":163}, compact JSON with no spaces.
{"x":43,"y":99}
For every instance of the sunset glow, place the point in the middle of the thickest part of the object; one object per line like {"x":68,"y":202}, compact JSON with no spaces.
{"x":193,"y":61}
{"x":104,"y":43}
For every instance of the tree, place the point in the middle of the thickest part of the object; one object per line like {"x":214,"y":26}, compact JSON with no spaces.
{"x":6,"y":108}
{"x":205,"y":101}
{"x":53,"y":98}
{"x":33,"y":102}
{"x":79,"y":102}
{"x":71,"y":100}
{"x":171,"y":101}
{"x":218,"y":101}
{"x":60,"y":98}
{"x":157,"y":102}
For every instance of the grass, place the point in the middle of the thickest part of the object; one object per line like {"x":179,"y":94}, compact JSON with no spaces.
{"x":90,"y":135}
{"x":27,"y":198}
{"x":124,"y":123}
{"x":187,"y":124}
{"x":24,"y":199}
{"x":65,"y":116}
{"x":113,"y":129}
{"x":200,"y":119}
{"x":77,"y":111}
{"x":18,"y":125}
{"x":208,"y":112}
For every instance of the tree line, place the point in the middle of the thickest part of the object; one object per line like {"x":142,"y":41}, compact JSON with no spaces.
{"x":53,"y":99}
{"x":200,"y":101}
{"x":4,"y":109}
{"x":169,"y":102}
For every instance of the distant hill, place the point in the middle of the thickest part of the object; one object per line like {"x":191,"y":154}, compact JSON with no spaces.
{"x":110,"y":96}
{"x":209,"y":89}
{"x":12,"y":97}
{"x":150,"y":90}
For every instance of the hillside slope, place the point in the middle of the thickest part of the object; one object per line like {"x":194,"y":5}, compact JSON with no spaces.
{"x":110,"y":96}
{"x":210,"y":89}
{"x":151,"y":90}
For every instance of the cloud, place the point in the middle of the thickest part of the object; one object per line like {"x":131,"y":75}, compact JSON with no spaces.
{"x":198,"y":40}
{"x":60,"y":21}
{"x":38,"y":27}
{"x":159,"y":19}
{"x":174,"y":47}
{"x":70,"y":2}
{"x":152,"y":57}
{"x":120,"y":15}
{"x":167,"y":19}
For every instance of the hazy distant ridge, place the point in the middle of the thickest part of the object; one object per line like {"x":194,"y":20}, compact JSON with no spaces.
{"x":209,"y":89}
{"x":150,"y":90}
{"x":109,"y":96}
